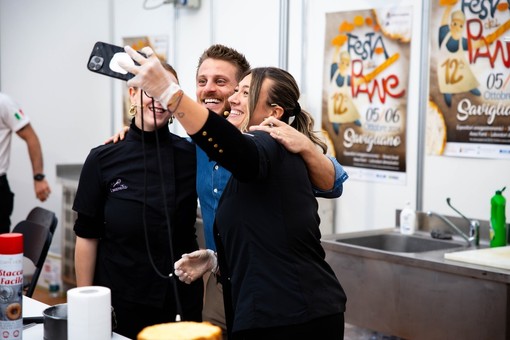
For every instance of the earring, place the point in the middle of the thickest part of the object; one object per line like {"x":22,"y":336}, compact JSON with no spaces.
{"x":132,"y":110}
{"x":171,"y":120}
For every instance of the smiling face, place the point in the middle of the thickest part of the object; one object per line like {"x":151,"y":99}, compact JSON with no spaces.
{"x":345,"y":61}
{"x":457,"y":24}
{"x":216,"y":81}
{"x":162,"y":115}
{"x":239,"y":114}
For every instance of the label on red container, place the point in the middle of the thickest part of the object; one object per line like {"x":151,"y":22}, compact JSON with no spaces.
{"x":11,"y":296}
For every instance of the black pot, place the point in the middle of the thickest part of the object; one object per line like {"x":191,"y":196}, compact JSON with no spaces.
{"x":55,"y":322}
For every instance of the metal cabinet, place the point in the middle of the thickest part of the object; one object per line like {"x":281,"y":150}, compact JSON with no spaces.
{"x":68,"y":236}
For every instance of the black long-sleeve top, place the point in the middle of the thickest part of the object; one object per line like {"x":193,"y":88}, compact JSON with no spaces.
{"x":111,"y":200}
{"x":267,"y":233}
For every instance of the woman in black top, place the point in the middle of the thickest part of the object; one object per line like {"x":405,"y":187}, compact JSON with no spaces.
{"x":122,"y":217}
{"x":277,"y":284}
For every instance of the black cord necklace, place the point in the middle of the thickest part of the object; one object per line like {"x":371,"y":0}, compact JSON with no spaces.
{"x":170,"y":276}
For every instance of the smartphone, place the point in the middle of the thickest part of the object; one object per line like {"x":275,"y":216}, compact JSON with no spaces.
{"x":104,"y":59}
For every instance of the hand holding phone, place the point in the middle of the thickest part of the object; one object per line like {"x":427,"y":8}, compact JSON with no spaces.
{"x":104,"y":59}
{"x":163,"y":86}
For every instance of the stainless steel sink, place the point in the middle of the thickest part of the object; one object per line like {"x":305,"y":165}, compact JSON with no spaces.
{"x":398,"y":282}
{"x":399,"y":243}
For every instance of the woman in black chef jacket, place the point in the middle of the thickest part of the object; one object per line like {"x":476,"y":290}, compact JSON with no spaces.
{"x":128,"y":231}
{"x":277,"y":284}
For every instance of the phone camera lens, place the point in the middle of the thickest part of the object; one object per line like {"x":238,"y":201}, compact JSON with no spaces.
{"x":96,"y":63}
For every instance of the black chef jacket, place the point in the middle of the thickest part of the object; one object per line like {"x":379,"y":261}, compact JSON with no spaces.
{"x":267,"y":233}
{"x":111,"y":195}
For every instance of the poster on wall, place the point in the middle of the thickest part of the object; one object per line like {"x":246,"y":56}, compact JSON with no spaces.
{"x":159,"y":45}
{"x":468,"y":113}
{"x":364,"y":101}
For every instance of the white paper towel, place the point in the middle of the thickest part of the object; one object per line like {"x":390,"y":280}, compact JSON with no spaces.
{"x":89,"y":313}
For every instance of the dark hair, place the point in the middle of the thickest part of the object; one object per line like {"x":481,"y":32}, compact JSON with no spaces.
{"x":169,"y":68}
{"x":284,"y":92}
{"x":227,"y":54}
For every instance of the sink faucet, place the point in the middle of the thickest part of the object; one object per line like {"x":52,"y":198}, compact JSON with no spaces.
{"x":474,"y":226}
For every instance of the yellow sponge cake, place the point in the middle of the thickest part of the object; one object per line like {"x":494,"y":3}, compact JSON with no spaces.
{"x":184,"y":330}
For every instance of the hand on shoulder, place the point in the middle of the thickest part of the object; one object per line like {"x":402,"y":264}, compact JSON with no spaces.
{"x":118,"y":136}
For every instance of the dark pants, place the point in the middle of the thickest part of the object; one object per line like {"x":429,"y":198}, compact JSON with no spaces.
{"x":326,"y":328}
{"x":6,"y":205}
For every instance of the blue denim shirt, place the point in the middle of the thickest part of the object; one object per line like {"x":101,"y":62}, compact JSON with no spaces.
{"x":212,"y":179}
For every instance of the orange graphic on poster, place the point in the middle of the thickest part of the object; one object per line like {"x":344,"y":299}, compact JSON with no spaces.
{"x":341,"y":108}
{"x":454,"y":73}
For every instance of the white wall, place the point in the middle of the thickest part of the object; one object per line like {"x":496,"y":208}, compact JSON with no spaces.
{"x":44,"y":46}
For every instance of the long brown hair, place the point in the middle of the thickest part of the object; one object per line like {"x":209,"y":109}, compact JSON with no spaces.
{"x":284,"y":92}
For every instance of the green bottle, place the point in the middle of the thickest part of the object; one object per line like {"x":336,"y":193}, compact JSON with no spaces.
{"x":498,"y":219}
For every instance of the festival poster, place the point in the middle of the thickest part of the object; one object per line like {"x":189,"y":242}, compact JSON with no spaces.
{"x":468,"y":113}
{"x":364,"y":103}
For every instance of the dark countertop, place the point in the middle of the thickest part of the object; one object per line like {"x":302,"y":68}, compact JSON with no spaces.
{"x":69,"y":172}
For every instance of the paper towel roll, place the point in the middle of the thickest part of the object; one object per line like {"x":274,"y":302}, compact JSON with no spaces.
{"x":89,"y":313}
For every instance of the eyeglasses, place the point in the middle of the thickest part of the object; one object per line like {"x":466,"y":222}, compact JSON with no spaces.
{"x":152,"y":106}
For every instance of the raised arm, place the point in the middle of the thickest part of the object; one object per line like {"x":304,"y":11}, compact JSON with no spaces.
{"x":151,"y":76}
{"x":445,"y":19}
{"x":162,"y":85}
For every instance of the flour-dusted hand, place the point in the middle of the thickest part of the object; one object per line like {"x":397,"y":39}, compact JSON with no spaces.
{"x":194,"y":265}
{"x":151,"y":76}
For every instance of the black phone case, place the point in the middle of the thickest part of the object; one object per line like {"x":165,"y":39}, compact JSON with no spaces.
{"x":100,"y":57}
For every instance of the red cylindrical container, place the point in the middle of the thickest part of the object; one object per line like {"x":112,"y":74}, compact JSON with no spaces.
{"x":11,"y":286}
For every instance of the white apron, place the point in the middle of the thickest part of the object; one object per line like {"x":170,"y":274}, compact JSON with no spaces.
{"x":453,"y":72}
{"x":341,"y":108}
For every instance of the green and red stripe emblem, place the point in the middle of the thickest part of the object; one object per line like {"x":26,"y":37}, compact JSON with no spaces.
{"x":19,"y":115}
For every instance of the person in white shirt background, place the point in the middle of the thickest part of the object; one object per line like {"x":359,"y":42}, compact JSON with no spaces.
{"x":12,"y":119}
